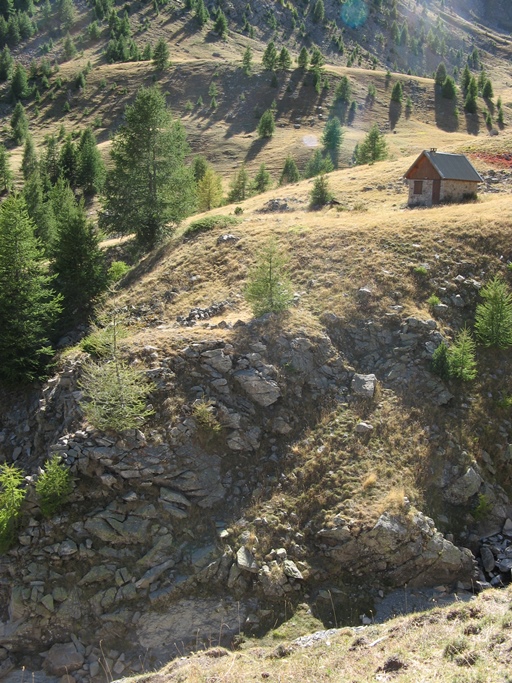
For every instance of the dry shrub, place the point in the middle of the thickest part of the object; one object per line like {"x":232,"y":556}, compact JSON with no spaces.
{"x":394,"y":501}
{"x":369,"y":481}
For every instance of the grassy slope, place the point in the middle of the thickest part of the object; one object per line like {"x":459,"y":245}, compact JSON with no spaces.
{"x":464,"y":643}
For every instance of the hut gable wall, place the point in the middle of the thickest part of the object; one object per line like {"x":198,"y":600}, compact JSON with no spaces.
{"x":423,"y":199}
{"x":423,"y":170}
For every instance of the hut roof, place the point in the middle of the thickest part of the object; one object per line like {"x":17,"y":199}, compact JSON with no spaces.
{"x":450,"y":166}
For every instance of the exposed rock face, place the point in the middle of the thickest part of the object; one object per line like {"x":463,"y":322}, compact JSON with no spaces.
{"x":262,"y":390}
{"x":404,"y":548}
{"x":63,"y":659}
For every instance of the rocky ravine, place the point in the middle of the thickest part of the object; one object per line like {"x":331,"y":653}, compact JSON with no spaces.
{"x":142,"y":564}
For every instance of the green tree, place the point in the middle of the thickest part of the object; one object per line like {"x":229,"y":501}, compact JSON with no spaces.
{"x":78,"y":262}
{"x":29,"y":162}
{"x":90,"y":166}
{"x":149,"y":185}
{"x":66,"y":14}
{"x":5,"y":170}
{"x":461,"y":357}
{"x":493,"y":319}
{"x":247,"y":61}
{"x":449,"y":89}
{"x":317,"y":58}
{"x":202,"y":15}
{"x":6,"y":63}
{"x":397,"y":92}
{"x":69,"y":48}
{"x":209,"y":190}
{"x":470,"y":103}
{"x":465,"y":79}
{"x":440,"y":361}
{"x":262,"y":180}
{"x":303,"y":59}
{"x":318,"y":164}
{"x":40,"y":211}
{"x":53,"y":486}
{"x":320,"y":194}
{"x":487,"y":90}
{"x":318,"y":12}
{"x":12,"y":495}
{"x":238,"y":185}
{"x":199,"y":167}
{"x":270,"y":56}
{"x":68,"y":161}
{"x":19,"y":82}
{"x":343,"y":91}
{"x":268,"y":288}
{"x":161,"y":55}
{"x":290,"y":172}
{"x":19,"y":123}
{"x":441,"y":74}
{"x":50,"y":161}
{"x":220,"y":25}
{"x":332,"y":138}
{"x":284,"y":60}
{"x":373,"y":148}
{"x":267,"y":124}
{"x":28,"y":305}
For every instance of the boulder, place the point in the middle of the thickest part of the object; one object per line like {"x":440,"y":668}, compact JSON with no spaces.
{"x":63,"y":658}
{"x":245,"y":560}
{"x":464,"y":488}
{"x":364,"y":385}
{"x":262,"y":390}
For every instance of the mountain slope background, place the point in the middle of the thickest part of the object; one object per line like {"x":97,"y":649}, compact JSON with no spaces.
{"x":264,"y":480}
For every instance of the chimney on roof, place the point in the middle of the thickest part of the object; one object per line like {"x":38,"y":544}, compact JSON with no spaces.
{"x":433,"y":149}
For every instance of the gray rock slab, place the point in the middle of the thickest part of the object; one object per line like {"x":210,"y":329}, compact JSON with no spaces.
{"x":364,"y":385}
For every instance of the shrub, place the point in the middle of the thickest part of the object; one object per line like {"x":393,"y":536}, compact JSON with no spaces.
{"x":100,"y":342}
{"x":53,"y":486}
{"x":12,"y":496}
{"x":209,"y":223}
{"x":114,"y":395}
{"x":268,"y":288}
{"x":433,"y":300}
{"x":482,"y":508}
{"x":117,"y":271}
{"x":202,"y":412}
{"x":320,"y":194}
{"x":493,"y":320}
{"x":421,"y":271}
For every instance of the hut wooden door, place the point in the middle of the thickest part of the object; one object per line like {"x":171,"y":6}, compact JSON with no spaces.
{"x":436,"y":192}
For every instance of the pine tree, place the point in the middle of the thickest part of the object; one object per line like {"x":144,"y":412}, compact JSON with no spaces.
{"x":68,"y":161}
{"x":28,"y":305}
{"x":268,"y":287}
{"x":66,"y":14}
{"x":209,"y":190}
{"x":202,"y":15}
{"x":487,"y":90}
{"x":470,"y":103}
{"x":29,"y":162}
{"x":332,"y":138}
{"x":267,"y":124}
{"x":319,"y":12}
{"x":449,"y":89}
{"x":461,"y":357}
{"x":5,"y":170}
{"x":441,"y":74}
{"x":40,"y":211}
{"x":90,"y":166}
{"x":19,"y":123}
{"x":19,"y":82}
{"x":290,"y":172}
{"x":269,"y":59}
{"x":303,"y":59}
{"x":199,"y":167}
{"x":493,"y":319}
{"x":238,"y":186}
{"x":69,"y":48}
{"x":262,"y":180}
{"x":397,"y":92}
{"x":247,"y":61}
{"x":220,"y":25}
{"x":161,"y":55}
{"x":465,"y":80}
{"x":343,"y":91}
{"x":320,"y":194}
{"x":6,"y":63}
{"x":373,"y":148}
{"x":149,"y":185}
{"x":78,"y":262}
{"x":284,"y":60}
{"x":317,"y":164}
{"x":50,"y":161}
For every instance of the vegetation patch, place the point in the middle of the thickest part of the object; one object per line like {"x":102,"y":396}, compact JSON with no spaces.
{"x":209,"y":223}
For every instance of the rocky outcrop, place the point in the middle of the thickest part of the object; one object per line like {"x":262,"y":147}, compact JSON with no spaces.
{"x":403,"y":548}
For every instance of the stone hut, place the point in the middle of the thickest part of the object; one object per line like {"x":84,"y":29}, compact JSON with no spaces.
{"x":437,"y":177}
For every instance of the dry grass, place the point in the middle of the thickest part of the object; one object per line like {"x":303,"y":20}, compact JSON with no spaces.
{"x":466,"y":643}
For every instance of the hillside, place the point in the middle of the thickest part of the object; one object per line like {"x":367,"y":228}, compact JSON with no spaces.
{"x":294,"y":471}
